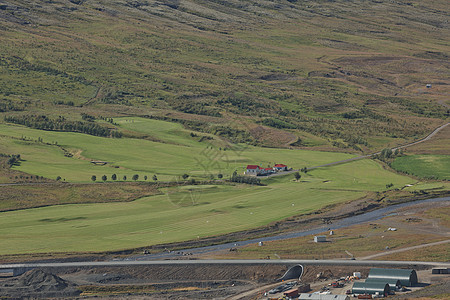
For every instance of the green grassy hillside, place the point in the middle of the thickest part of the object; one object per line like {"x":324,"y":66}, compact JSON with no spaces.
{"x":69,"y":155}
{"x":204,"y":88}
{"x":176,"y":213}
{"x":187,"y":212}
{"x":347,"y":72}
{"x":424,"y":166}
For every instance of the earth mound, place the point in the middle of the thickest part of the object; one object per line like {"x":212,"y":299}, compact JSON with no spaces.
{"x":37,"y":283}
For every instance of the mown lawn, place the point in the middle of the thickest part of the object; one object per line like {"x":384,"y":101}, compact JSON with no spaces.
{"x":183,"y":213}
{"x":157,"y":219}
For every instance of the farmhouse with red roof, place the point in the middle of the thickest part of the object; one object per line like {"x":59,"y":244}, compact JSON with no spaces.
{"x":280,"y":167}
{"x":253,"y":170}
{"x":257,"y":170}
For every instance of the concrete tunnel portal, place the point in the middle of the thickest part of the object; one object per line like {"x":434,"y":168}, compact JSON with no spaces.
{"x":294,"y":272}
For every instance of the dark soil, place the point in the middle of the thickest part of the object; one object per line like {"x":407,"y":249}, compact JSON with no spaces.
{"x":37,"y":284}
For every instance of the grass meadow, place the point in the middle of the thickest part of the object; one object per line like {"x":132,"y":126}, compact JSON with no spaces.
{"x":176,"y":216}
{"x":179,"y":154}
{"x":424,"y":166}
{"x":180,"y":213}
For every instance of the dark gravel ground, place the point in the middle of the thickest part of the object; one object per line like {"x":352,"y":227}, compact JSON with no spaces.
{"x":440,"y":290}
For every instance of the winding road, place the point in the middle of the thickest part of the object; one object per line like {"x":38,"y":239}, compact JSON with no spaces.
{"x":353,"y":220}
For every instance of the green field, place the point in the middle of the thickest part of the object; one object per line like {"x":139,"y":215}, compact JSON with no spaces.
{"x":181,"y":154}
{"x":184,"y":213}
{"x":424,"y":166}
{"x":252,"y":82}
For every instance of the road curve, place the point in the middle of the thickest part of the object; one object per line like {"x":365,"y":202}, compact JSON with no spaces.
{"x":428,"y":137}
{"x":225,"y":262}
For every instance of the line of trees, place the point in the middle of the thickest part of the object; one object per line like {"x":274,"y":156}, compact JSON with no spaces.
{"x":61,"y":124}
{"x":387,"y":154}
{"x":245,"y":179}
{"x":114,"y":177}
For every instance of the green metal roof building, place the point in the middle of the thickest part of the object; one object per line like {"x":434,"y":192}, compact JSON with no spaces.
{"x":394,"y":284}
{"x":371,"y":288}
{"x":406,"y":277}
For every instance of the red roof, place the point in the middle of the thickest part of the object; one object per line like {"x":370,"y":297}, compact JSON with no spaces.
{"x":268,"y":169}
{"x":252,"y":167}
{"x":280,"y":166}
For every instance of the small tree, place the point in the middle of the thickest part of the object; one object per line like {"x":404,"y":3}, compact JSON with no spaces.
{"x":155,"y":178}
{"x":220,"y":176}
{"x":297,"y":176}
{"x":145,"y":177}
{"x":124,"y":177}
{"x":135,"y":177}
{"x":185,"y":176}
{"x":57,"y":178}
{"x":104,"y":177}
{"x":114,"y":177}
{"x":93,"y":178}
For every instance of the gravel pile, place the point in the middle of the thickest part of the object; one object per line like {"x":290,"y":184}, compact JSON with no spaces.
{"x":37,"y":284}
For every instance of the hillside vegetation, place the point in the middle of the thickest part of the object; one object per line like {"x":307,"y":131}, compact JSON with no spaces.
{"x":327,"y":74}
{"x":136,"y":113}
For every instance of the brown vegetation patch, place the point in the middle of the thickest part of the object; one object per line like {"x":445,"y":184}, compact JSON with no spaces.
{"x":14,"y":197}
{"x":271,"y":136}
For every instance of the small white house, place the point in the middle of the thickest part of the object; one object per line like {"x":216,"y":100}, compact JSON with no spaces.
{"x":280,"y":167}
{"x":320,"y":238}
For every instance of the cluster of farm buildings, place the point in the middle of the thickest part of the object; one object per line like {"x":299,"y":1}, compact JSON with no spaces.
{"x":256,"y":170}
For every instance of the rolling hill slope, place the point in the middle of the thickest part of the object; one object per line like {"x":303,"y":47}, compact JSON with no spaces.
{"x":325,"y":74}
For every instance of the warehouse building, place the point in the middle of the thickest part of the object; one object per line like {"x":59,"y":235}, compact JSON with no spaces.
{"x":371,"y":288}
{"x":394,"y":284}
{"x":406,"y":277}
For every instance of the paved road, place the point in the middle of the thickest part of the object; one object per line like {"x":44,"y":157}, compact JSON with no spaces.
{"x":338,"y":262}
{"x":403,"y":250}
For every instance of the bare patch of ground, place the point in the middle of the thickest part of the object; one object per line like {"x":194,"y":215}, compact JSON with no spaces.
{"x":37,"y":284}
